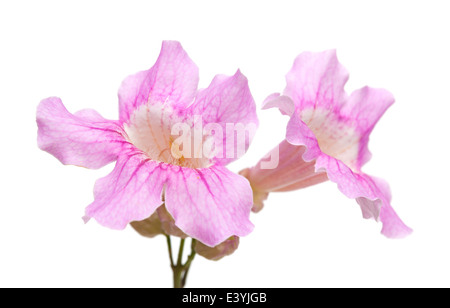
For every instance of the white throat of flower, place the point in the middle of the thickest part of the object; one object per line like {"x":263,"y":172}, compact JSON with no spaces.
{"x":151,"y":129}
{"x":335,"y":137}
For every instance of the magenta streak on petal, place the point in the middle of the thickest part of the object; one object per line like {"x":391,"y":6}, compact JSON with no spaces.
{"x":132,"y":192}
{"x":204,"y":180}
{"x":84,"y":139}
{"x":120,"y":173}
{"x":224,"y":207}
{"x":141,"y":164}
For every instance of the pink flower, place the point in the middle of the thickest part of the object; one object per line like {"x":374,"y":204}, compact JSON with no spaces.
{"x":206,"y":200}
{"x":327,"y":138}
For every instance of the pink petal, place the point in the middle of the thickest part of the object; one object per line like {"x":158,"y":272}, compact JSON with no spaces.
{"x":317,"y":79}
{"x":298,"y":133}
{"x":172,"y":80}
{"x":371,"y":194}
{"x":82,"y":139}
{"x":209,"y":204}
{"x":393,"y":226}
{"x":227,"y":101}
{"x":131,"y":192}
{"x":364,"y":108}
{"x":282,"y":102}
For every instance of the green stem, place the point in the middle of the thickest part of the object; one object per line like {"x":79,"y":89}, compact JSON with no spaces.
{"x":188,"y":263}
{"x":177,"y":272}
{"x":180,"y":252}
{"x":180,"y":270}
{"x":169,"y":246}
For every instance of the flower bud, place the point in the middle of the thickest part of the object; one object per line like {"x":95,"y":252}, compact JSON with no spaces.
{"x":149,"y":227}
{"x":168,"y":223}
{"x":225,"y":248}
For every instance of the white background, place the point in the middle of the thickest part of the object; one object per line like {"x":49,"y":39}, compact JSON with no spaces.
{"x":315,"y":237}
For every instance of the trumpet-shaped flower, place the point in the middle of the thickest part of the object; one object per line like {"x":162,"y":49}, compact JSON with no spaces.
{"x":205,"y":199}
{"x":326,"y":138}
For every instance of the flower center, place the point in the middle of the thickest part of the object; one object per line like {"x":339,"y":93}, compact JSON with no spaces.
{"x":334,"y":136}
{"x":166,"y":136}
